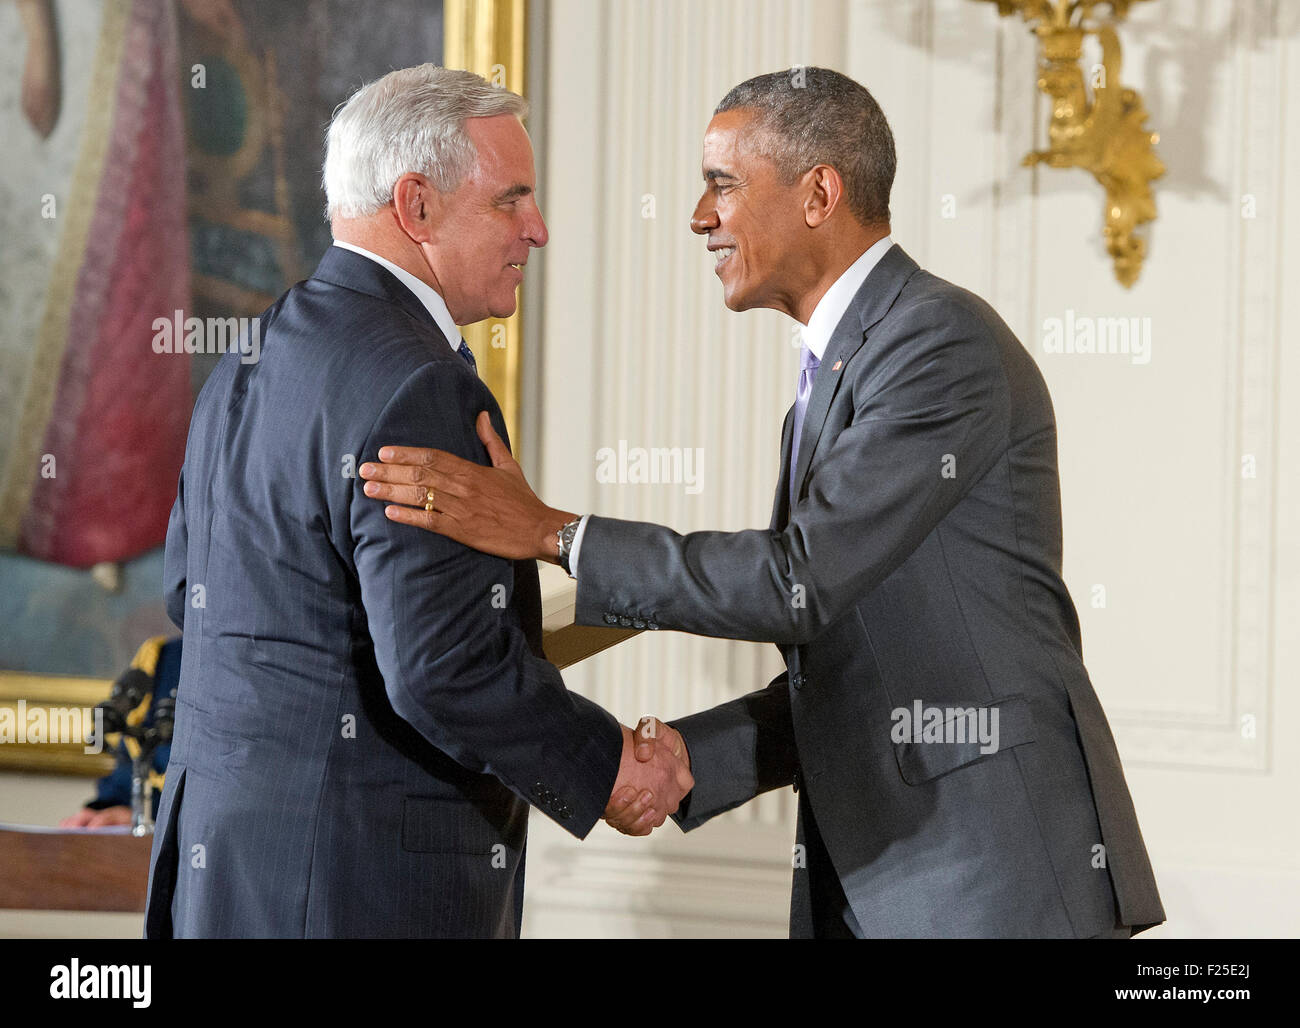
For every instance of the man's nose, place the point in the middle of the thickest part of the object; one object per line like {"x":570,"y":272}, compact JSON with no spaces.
{"x":537,"y":234}
{"x":705,"y":217}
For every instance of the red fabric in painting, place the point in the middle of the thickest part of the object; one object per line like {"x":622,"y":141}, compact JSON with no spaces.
{"x":121,"y":411}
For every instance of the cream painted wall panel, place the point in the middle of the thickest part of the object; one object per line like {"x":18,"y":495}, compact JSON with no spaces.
{"x":1198,"y":563}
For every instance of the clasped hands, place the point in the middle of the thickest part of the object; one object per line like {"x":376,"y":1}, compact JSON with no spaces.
{"x":653,"y":777}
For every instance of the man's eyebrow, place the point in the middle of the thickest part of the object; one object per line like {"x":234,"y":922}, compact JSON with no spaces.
{"x":513,"y":193}
{"x":713,"y":174}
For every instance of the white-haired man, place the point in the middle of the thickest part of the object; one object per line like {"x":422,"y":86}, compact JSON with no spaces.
{"x":362,"y":718}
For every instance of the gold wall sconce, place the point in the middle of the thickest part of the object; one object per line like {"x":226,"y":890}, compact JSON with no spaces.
{"x":1103,"y":134}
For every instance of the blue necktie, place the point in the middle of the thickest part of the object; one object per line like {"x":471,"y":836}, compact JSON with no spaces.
{"x":808,"y":365}
{"x":464,"y":351}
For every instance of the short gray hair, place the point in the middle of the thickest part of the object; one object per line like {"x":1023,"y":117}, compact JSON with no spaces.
{"x":411,"y":120}
{"x":811,"y":116}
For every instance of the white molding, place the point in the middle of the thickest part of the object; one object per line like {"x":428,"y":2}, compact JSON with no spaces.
{"x":728,"y":879}
{"x":1191,"y":738}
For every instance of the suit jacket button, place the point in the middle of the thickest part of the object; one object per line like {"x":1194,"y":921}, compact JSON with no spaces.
{"x":796,"y":680}
{"x":638,"y":623}
{"x":625,"y":621}
{"x":611,"y":619}
{"x":653,"y":626}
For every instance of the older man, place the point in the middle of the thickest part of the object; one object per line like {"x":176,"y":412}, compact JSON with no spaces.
{"x":362,"y":718}
{"x":955,"y":771}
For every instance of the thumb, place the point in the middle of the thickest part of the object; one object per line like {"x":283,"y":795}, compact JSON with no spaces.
{"x":497,"y":450}
{"x":646,"y":733}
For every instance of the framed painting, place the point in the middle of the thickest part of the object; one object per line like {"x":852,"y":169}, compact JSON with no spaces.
{"x":164,"y":163}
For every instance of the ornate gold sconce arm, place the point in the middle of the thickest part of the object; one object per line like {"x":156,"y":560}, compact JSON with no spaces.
{"x":1102,"y":133}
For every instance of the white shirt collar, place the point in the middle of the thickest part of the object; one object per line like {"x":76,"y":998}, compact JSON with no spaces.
{"x":816,"y":335}
{"x":424,"y":292}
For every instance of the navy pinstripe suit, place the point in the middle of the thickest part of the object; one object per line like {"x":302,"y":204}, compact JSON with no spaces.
{"x":363,"y":709}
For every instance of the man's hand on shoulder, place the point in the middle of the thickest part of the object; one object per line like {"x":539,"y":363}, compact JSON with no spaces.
{"x":492,"y":509}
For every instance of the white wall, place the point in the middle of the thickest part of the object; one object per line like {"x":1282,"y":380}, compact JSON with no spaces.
{"x":1200,"y":566}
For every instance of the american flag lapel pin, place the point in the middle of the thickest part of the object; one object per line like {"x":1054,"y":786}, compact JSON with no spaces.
{"x":837,"y":365}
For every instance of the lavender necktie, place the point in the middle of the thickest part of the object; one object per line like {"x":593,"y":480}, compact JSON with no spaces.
{"x":808,"y":365}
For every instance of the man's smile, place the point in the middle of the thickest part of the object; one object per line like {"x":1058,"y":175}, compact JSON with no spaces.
{"x":722,"y":255}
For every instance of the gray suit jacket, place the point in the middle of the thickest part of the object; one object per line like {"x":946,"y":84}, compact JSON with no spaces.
{"x":363,"y":713}
{"x":922,"y":562}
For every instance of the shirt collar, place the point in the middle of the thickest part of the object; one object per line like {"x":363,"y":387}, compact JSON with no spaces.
{"x":816,"y":335}
{"x":424,"y":292}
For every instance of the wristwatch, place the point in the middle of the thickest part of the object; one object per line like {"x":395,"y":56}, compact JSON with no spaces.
{"x":564,"y":543}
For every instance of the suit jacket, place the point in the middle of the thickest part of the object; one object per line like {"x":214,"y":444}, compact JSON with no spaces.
{"x":921,"y":562}
{"x":364,"y":713}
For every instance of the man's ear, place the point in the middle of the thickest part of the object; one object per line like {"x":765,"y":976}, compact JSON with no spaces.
{"x":825,"y":192}
{"x":417,"y":205}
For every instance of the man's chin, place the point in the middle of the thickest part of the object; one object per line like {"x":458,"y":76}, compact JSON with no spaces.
{"x":735,"y":301}
{"x":504,"y":308}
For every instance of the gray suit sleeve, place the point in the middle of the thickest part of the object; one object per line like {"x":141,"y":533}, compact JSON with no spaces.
{"x":930,"y":417}
{"x":454,"y":660}
{"x":738,"y":750}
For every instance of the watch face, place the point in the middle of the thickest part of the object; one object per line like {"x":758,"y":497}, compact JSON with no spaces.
{"x":566,"y":543}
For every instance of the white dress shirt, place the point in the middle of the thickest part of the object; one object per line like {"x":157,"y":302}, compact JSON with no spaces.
{"x":826,"y":316}
{"x":424,"y":292}
{"x":816,"y":335}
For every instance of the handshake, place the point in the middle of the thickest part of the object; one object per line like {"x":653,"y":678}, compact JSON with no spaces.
{"x":653,"y":776}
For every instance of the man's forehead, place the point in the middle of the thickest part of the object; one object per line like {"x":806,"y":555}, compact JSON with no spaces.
{"x":727,"y":142}
{"x":505,"y":154}
{"x":500,"y":133}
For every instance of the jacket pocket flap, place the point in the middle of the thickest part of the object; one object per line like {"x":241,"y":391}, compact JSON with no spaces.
{"x":437,"y":825}
{"x":932,"y":739}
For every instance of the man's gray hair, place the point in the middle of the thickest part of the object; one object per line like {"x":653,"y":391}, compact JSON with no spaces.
{"x":811,"y":116}
{"x":411,"y":120}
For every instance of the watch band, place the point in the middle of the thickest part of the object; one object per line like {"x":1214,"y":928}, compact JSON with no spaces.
{"x":564,"y":543}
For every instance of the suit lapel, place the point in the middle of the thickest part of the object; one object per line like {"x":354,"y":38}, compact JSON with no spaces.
{"x":825,"y":385}
{"x":871,"y":303}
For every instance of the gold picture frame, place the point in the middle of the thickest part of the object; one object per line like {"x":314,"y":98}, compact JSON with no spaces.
{"x":51,"y":693}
